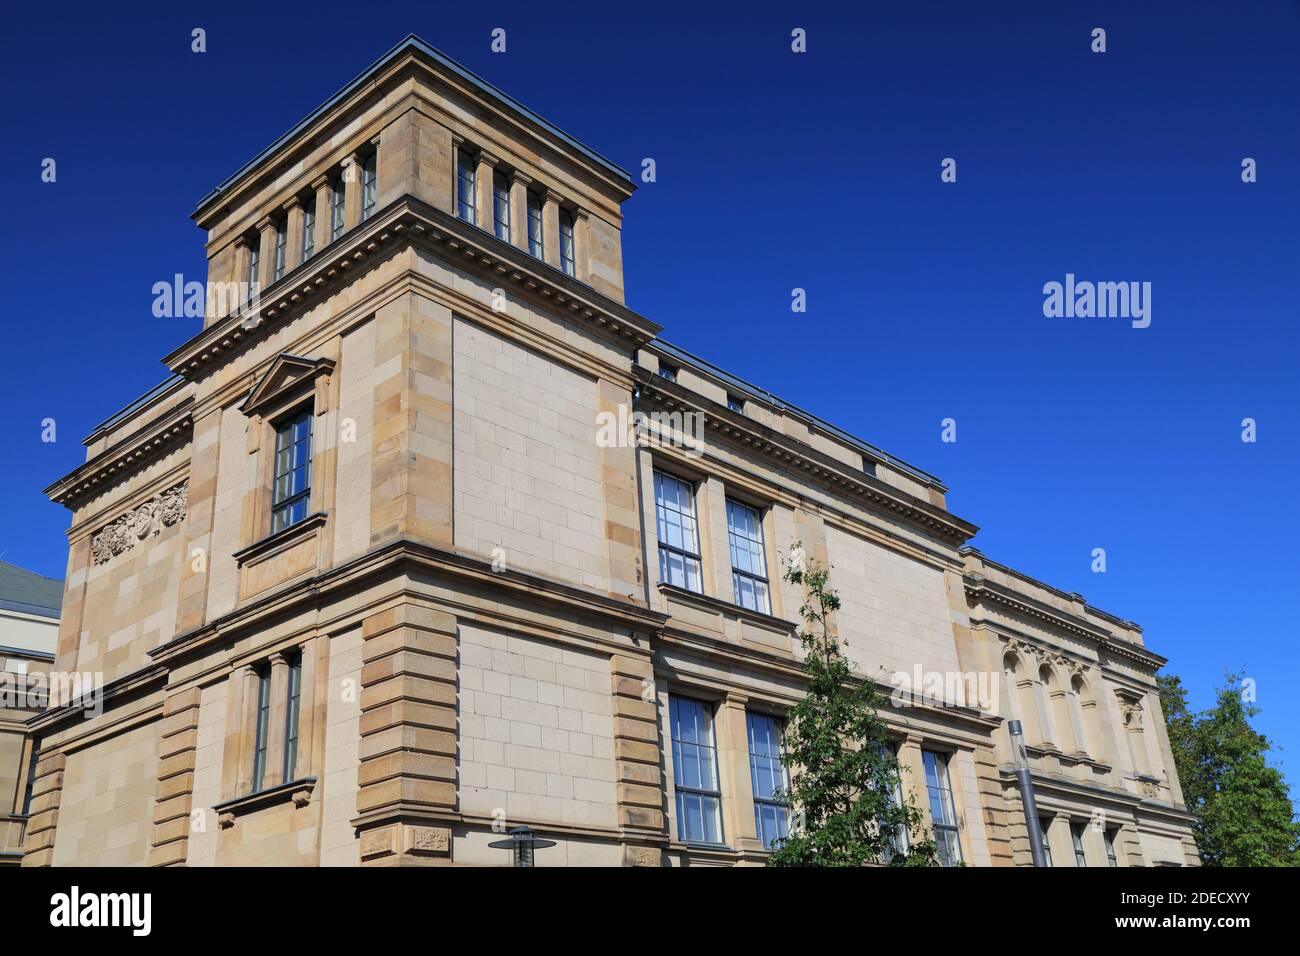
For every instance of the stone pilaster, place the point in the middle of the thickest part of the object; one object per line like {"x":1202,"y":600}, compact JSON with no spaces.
{"x":732,"y":729}
{"x":324,"y":190}
{"x":636,"y":759}
{"x":519,"y":184}
{"x":997,"y":829}
{"x":551,"y":201}
{"x":410,"y":495}
{"x":487,"y":164}
{"x":176,"y":756}
{"x":622,"y":520}
{"x":293,"y":236}
{"x":47,"y":792}
{"x":266,"y":229}
{"x":196,"y":559}
{"x":407,"y":776}
{"x":582,"y":245}
{"x":352,"y":191}
{"x":415,"y":158}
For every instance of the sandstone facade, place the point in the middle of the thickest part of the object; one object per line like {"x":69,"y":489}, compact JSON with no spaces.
{"x":466,"y":627}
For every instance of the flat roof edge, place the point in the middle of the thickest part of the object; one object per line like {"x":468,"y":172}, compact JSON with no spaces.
{"x":412,"y":42}
{"x":689,"y":358}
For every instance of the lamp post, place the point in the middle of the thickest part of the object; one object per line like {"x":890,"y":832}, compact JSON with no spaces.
{"x":521,"y":843}
{"x":1027,"y":793}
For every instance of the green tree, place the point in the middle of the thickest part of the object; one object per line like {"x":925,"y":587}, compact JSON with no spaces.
{"x":1241,"y":803}
{"x":842,"y":775}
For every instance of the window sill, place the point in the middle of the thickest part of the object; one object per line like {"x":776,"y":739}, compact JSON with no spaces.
{"x":281,"y":557}
{"x":717,"y":605}
{"x":296,"y":791}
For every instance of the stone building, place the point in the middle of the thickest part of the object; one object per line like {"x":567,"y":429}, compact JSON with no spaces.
{"x":429,"y":535}
{"x":29,"y":624}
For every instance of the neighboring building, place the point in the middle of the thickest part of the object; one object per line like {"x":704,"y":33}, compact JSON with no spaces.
{"x":378,"y":572}
{"x":29,"y":626}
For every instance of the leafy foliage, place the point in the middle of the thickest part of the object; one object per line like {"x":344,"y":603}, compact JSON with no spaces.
{"x":1242,"y":806}
{"x":843,"y":777}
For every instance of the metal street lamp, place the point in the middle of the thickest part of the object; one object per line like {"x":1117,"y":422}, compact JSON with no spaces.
{"x":521,"y":844}
{"x":1027,"y":793}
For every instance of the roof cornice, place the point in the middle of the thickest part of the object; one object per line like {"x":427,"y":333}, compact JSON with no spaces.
{"x":417,"y":49}
{"x":405,"y":221}
{"x":789,"y":451}
{"x":980,"y":588}
{"x":128,"y":456}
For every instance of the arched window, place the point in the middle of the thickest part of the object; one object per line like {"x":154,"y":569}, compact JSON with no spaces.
{"x":1047,"y":729}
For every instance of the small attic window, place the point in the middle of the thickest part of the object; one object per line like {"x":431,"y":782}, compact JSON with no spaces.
{"x":668,"y":371}
{"x":736,"y":403}
{"x":868,"y":466}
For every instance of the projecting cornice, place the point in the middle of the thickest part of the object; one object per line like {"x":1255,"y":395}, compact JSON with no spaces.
{"x":981,"y":590}
{"x":791,"y":453}
{"x":128,"y":456}
{"x":405,"y":222}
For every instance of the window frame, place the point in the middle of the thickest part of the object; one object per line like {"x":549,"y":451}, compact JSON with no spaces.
{"x":781,"y":807}
{"x":308,"y":228}
{"x":1112,"y":851}
{"x":338,"y":209}
{"x":900,"y":840}
{"x":262,"y":727}
{"x":254,"y":267}
{"x":467,"y":185}
{"x":1076,"y":839}
{"x":281,"y":249}
{"x":536,"y":236}
{"x":937,"y":791}
{"x":1045,"y":829}
{"x":757,"y":546}
{"x":287,"y":423}
{"x":569,"y":262}
{"x":501,"y":205}
{"x":666,"y":549}
{"x":293,"y":714}
{"x":369,"y":185}
{"x":680,"y":790}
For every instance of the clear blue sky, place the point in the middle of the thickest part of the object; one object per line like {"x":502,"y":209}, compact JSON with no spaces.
{"x":777,"y":171}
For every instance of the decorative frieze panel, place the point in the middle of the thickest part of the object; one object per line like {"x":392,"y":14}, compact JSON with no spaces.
{"x":145,"y":521}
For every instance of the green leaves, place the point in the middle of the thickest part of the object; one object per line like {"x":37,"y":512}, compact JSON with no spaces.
{"x":1242,"y":805}
{"x":844,"y":777}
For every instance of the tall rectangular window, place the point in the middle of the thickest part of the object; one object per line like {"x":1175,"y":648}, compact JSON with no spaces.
{"x":898,"y":839}
{"x":1047,"y":844}
{"x":337,"y":200}
{"x":679,"y":543}
{"x":501,"y":206}
{"x":695,"y":769}
{"x":1112,"y":858}
{"x":566,"y":243}
{"x":535,"y":244}
{"x":748,"y":562}
{"x":1076,"y":837}
{"x":369,"y":184}
{"x":291,"y":717}
{"x":308,"y":229}
{"x":254,"y":263}
{"x":771,"y":815}
{"x":291,"y":491}
{"x":281,"y":240}
{"x":465,"y":187}
{"x":942,"y":809}
{"x":261,"y":734}
{"x":31,"y":779}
